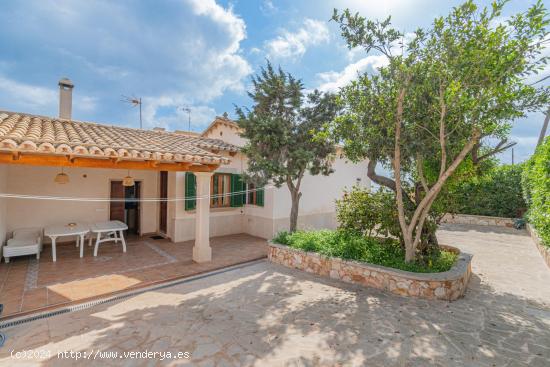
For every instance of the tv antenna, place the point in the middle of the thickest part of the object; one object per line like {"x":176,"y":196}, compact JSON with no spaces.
{"x":188,"y":110}
{"x":134,"y":101}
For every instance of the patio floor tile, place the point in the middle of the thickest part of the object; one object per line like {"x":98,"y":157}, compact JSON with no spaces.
{"x":28,"y":284}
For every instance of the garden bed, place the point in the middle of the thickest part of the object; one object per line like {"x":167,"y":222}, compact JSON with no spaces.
{"x":480,"y":220}
{"x":448,"y":285}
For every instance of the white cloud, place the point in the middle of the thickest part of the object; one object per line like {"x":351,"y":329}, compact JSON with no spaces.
{"x":295,"y":44}
{"x":196,"y":51}
{"x":23,"y":97}
{"x":26,"y":94}
{"x":255,"y":51}
{"x":175,"y":118}
{"x":223,"y":65}
{"x":120,"y":48}
{"x":108,"y":71}
{"x":268,"y":8}
{"x":354,"y":53}
{"x":332,"y":81}
{"x":85,"y":103}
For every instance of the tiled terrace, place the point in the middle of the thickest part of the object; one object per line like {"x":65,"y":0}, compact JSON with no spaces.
{"x":27,"y":284}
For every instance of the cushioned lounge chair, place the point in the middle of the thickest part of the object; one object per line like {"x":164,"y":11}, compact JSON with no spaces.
{"x":25,"y":241}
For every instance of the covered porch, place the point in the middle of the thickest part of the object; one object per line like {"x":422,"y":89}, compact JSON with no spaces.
{"x":29,"y":285}
{"x":96,"y":161}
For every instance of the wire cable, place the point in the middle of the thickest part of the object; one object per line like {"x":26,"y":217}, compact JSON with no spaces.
{"x":176,"y":199}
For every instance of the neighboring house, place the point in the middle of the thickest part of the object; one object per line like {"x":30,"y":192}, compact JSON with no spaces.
{"x":173,"y":165}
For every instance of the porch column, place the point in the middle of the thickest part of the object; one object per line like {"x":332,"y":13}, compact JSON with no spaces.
{"x":202,"y":252}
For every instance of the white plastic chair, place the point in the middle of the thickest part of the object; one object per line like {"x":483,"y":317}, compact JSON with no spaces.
{"x":24,"y":241}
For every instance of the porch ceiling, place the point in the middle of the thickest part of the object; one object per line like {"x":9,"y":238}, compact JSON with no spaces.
{"x":38,"y":140}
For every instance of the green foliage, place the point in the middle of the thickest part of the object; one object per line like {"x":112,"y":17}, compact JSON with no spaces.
{"x":364,"y":213}
{"x":348,"y":245}
{"x":440,"y":94}
{"x":281,"y":130}
{"x":456,"y":64}
{"x":280,"y":127}
{"x":536,"y":189}
{"x":282,"y":237}
{"x":496,"y":192}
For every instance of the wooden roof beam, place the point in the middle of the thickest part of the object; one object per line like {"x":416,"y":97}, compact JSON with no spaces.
{"x":72,"y":161}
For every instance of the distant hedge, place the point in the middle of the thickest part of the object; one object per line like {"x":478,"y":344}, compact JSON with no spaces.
{"x":496,"y":193}
{"x":536,"y":190}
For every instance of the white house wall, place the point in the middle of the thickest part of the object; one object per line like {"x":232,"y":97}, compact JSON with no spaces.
{"x":317,"y":207}
{"x":31,"y":180}
{"x":317,"y":204}
{"x":251,"y":219}
{"x":227,"y":134}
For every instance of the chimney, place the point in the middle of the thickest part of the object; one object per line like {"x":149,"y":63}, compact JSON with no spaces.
{"x":65,"y":98}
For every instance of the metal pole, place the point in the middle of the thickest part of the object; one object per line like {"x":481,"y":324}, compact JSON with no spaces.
{"x":140,"y":123}
{"x":544,"y":127}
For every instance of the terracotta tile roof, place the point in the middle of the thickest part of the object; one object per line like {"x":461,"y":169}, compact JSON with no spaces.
{"x":21,"y":132}
{"x":221,"y":120}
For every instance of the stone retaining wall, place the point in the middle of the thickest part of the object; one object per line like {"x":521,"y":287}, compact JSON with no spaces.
{"x":544,"y":250}
{"x":481,"y":220}
{"x":448,"y":285}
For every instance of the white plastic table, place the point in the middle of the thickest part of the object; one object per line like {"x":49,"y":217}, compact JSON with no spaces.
{"x":112,"y":228}
{"x":78,"y":230}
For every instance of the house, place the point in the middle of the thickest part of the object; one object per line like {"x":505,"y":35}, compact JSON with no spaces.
{"x":176,"y":167}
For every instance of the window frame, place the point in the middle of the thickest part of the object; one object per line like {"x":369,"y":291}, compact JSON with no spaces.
{"x":252,"y":196}
{"x":224,"y":200}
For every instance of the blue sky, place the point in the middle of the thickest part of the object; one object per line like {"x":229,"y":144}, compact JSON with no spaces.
{"x":195,"y":53}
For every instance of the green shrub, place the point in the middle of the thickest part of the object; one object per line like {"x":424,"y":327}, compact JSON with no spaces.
{"x":352,"y":246}
{"x":495,"y":193}
{"x":364,"y":213}
{"x":282,"y":237}
{"x":536,"y":190}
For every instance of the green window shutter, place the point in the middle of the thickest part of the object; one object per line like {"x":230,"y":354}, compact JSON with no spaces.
{"x":190,"y":191}
{"x":236,"y":186}
{"x":260,"y":197}
{"x":215,"y":198}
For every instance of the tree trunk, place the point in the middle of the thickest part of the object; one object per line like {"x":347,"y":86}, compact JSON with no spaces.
{"x":295,"y":196}
{"x":407,"y":234}
{"x":409,"y":251}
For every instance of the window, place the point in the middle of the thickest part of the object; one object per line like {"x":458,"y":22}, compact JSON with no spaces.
{"x":226,"y":190}
{"x":220,"y":190}
{"x":255,"y":196}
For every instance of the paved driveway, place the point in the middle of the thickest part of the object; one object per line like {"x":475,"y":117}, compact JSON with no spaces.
{"x":267,"y":315}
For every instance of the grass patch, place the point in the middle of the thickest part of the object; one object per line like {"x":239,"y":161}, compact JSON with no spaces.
{"x":385,"y":252}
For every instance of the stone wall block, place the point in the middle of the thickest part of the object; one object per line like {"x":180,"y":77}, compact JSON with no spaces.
{"x":430,"y":286}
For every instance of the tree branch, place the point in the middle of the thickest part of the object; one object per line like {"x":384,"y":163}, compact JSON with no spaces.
{"x":501,"y":146}
{"x":380,"y":180}
{"x":420,"y":169}
{"x":442,"y":116}
{"x":425,"y":205}
{"x":397,"y":169}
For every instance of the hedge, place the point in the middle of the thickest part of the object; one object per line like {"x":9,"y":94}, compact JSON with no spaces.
{"x":496,"y":193}
{"x":536,"y":190}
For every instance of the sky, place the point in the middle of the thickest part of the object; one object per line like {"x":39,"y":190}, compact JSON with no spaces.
{"x":196,"y":54}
